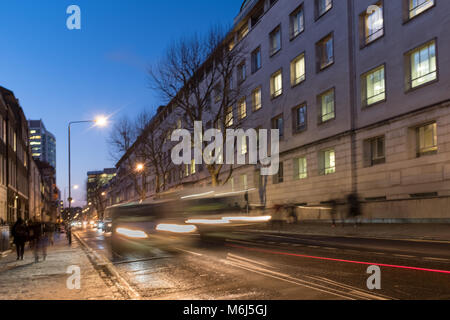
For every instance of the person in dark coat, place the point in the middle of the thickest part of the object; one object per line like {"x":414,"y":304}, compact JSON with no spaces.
{"x":354,"y":207}
{"x":20,"y":234}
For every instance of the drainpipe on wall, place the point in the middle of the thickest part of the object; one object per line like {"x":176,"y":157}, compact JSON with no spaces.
{"x":352,"y":93}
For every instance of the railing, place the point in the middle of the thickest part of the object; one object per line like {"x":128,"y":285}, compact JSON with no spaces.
{"x":4,"y":238}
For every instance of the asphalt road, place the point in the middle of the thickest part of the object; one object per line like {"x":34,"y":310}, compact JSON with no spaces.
{"x":262,"y":265}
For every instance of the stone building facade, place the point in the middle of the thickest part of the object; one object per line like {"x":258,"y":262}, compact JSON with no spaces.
{"x":359,"y":90}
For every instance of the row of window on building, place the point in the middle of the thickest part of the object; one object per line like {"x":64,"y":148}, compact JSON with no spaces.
{"x":373,"y":153}
{"x":422,"y":70}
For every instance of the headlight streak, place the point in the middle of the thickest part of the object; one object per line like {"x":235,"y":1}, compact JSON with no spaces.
{"x":176,"y":228}
{"x":227,"y":220}
{"x":129,"y":233}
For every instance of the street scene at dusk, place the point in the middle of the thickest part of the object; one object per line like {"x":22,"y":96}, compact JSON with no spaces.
{"x":240,"y":152}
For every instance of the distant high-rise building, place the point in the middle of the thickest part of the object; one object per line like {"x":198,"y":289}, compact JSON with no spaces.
{"x":42,"y":142}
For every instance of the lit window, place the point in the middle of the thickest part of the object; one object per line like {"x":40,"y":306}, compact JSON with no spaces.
{"x":256,"y":99}
{"x":298,"y":70}
{"x":423,"y":65}
{"x":229,"y":117}
{"x":244,"y":148}
{"x":193,"y":166}
{"x":275,"y":41}
{"x":327,"y":161}
{"x":322,"y":6}
{"x":326,"y":103}
{"x":297,"y":22}
{"x":416,"y":7}
{"x":243,"y":31}
{"x":374,"y":24}
{"x":276,"y":84}
{"x":373,"y":85}
{"x":427,"y":140}
{"x":300,"y":168}
{"x":242,"y":109}
{"x":325,"y":52}
{"x":244,"y":182}
{"x":374,"y":151}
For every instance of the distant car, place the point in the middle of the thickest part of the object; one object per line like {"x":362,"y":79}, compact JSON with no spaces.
{"x":106,"y":225}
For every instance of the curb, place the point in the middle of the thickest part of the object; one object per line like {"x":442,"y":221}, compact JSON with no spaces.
{"x":418,"y":239}
{"x":102,"y":261}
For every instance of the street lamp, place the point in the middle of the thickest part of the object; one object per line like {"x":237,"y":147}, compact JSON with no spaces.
{"x":100,"y":122}
{"x":139,"y":167}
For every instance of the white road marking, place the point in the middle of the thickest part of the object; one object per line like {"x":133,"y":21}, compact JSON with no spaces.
{"x":191,"y":252}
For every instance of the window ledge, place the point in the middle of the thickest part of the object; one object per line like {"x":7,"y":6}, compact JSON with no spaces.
{"x":423,"y":85}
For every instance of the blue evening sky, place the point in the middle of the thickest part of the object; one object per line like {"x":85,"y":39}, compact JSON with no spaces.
{"x":61,"y":75}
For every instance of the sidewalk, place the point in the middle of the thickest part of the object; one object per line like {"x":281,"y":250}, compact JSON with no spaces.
{"x":46,"y":280}
{"x":432,"y":232}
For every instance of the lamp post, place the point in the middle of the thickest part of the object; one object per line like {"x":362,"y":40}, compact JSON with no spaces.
{"x":101,"y":122}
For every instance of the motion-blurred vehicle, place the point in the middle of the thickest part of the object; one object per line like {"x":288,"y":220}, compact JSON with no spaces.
{"x":181,"y":220}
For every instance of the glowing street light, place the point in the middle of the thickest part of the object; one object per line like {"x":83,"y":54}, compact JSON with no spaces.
{"x":139,"y":167}
{"x":100,"y":121}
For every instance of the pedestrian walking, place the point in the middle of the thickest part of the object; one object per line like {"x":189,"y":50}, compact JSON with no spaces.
{"x":36,"y":230}
{"x":19,"y":232}
{"x":354,"y":207}
{"x":333,"y":212}
{"x":68,"y":228}
{"x":49,"y":229}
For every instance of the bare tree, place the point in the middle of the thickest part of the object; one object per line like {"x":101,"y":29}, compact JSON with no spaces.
{"x":122,"y":137}
{"x":194,"y":70}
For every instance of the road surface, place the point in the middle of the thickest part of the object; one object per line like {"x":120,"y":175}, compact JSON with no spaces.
{"x":276,"y":266}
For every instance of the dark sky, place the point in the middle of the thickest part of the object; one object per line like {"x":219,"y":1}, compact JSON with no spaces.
{"x":62,"y":75}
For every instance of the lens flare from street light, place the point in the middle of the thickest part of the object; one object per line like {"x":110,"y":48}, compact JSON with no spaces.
{"x":101,"y":121}
{"x":139,"y":167}
{"x":75,"y":187}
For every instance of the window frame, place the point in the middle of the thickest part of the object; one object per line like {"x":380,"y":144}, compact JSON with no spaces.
{"x":255,"y":68}
{"x":242,"y":116}
{"x":295,"y":83}
{"x":292,"y":16}
{"x":295,"y":127}
{"x":274,"y":121}
{"x":317,"y":14}
{"x":259,"y":88}
{"x":273,"y":52}
{"x":408,"y":66}
{"x":407,"y":11}
{"x":297,"y":174}
{"x":322,"y":165}
{"x":363,"y":85}
{"x":273,"y":94}
{"x":319,"y":103}
{"x":364,"y":42}
{"x":319,"y":50}
{"x":434,"y":149}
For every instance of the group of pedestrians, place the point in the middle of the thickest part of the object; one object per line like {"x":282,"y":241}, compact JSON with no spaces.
{"x":38,"y":234}
{"x":282,"y":213}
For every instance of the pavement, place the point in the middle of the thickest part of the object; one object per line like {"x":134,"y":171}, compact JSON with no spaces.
{"x":412,"y":232}
{"x":47,"y":280}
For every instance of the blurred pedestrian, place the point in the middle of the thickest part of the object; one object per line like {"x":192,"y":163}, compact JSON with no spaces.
{"x":68,"y":228}
{"x":19,"y":232}
{"x":354,"y":207}
{"x":36,"y":230}
{"x":333,"y":212}
{"x":49,"y":230}
{"x":277,"y":216}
